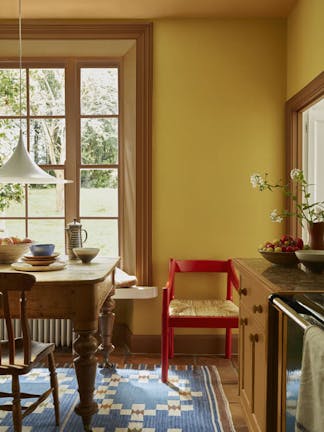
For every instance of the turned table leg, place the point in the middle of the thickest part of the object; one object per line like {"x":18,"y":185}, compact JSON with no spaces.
{"x":85,"y":346}
{"x":106,"y":325}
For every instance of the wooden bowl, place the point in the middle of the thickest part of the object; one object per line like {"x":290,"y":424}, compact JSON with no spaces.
{"x":280,"y":258}
{"x":11,"y":253}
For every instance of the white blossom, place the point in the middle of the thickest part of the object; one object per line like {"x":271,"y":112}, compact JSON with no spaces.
{"x":257,"y":180}
{"x":318,"y":213}
{"x":275,"y":217}
{"x":296,"y":174}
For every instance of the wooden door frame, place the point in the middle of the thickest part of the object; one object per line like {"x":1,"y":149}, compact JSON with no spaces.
{"x":295,"y":106}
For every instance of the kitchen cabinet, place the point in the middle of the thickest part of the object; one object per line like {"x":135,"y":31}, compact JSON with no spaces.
{"x":253,"y":349}
{"x":258,"y":281}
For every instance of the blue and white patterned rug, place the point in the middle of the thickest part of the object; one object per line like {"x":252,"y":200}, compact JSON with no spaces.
{"x":132,"y":400}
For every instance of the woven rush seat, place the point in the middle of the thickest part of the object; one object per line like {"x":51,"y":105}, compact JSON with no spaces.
{"x":186,"y":307}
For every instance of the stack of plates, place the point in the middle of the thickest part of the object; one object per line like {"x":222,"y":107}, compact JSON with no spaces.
{"x":40,"y":260}
{"x":39,"y":263}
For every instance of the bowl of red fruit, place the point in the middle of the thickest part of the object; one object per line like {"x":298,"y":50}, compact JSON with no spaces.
{"x":282,"y":251}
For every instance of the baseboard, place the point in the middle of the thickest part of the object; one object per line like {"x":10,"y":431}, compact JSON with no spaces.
{"x":184,"y":344}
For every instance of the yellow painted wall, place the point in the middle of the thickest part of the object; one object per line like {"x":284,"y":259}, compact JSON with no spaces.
{"x":305,"y":44}
{"x":219,"y":92}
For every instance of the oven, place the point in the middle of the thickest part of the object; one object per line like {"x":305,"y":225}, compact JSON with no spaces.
{"x":289,"y":317}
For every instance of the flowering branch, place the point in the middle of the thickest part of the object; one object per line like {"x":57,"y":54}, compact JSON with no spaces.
{"x":310,"y":212}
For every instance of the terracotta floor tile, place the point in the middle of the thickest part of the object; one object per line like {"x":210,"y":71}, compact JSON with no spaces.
{"x":231,"y":392}
{"x":241,"y":428}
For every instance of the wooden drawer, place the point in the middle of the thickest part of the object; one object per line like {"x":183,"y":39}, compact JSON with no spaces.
{"x":255,"y":297}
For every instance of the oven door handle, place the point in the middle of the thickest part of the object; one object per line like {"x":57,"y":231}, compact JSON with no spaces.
{"x":290,"y":312}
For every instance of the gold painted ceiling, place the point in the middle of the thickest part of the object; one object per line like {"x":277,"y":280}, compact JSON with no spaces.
{"x":145,"y":9}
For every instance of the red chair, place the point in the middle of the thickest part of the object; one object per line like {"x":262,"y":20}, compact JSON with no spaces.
{"x":197,"y":313}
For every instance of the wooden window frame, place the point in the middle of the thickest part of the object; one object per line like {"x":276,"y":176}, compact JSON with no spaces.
{"x":142,"y":33}
{"x":295,"y":106}
{"x":74,"y":163}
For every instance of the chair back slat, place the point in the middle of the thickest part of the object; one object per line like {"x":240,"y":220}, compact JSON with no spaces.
{"x":11,"y":301}
{"x":201,"y":266}
{"x":25,"y":329}
{"x":9,"y":326}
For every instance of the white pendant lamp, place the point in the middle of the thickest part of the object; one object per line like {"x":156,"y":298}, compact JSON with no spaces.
{"x":20,"y":168}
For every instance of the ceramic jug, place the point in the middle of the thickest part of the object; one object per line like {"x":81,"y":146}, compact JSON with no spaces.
{"x":74,"y":238}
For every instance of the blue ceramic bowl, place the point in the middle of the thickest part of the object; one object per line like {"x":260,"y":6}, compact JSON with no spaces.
{"x":42,"y":249}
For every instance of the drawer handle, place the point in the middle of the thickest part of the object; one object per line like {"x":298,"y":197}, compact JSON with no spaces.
{"x":257,"y":308}
{"x":254,"y":337}
{"x":243,"y":321}
{"x":243,"y":291}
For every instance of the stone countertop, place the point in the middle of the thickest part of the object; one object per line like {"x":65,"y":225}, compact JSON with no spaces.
{"x":279,"y":278}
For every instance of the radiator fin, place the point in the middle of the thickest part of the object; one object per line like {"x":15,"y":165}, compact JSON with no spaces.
{"x":58,"y":331}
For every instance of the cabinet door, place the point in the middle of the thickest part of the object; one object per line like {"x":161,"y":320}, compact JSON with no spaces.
{"x":245,"y":358}
{"x":253,"y":369}
{"x":259,"y":390}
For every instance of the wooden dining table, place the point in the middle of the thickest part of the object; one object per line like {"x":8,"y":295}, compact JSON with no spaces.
{"x":82,"y":293}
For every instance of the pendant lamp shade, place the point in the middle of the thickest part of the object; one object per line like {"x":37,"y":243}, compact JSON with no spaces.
{"x":20,"y":168}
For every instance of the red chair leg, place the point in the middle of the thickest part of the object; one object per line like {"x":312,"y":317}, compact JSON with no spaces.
{"x":171,"y":342}
{"x":165,"y":351}
{"x":228,"y":343}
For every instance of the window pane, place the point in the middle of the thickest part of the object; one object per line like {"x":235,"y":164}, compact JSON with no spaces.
{"x":99,"y":193}
{"x":102,"y":234}
{"x":47,"y":141}
{"x":47,"y":95}
{"x":13,"y":228}
{"x":9,"y":135}
{"x":48,"y":231}
{"x":99,"y":141}
{"x":99,"y":91}
{"x":9,"y":91}
{"x":16,"y":209}
{"x":46,"y":201}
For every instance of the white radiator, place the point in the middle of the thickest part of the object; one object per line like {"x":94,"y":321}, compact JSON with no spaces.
{"x":58,"y":331}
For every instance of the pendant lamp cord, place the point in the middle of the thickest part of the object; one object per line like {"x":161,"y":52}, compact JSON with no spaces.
{"x":20,"y":68}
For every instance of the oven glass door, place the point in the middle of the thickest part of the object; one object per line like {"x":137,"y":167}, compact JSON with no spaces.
{"x":293,"y":369}
{"x":288,"y":319}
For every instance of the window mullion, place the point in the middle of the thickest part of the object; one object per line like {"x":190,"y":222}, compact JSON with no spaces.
{"x":72,"y":109}
{"x":27,"y":117}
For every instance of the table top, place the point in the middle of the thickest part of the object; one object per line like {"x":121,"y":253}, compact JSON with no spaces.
{"x":75,"y":271}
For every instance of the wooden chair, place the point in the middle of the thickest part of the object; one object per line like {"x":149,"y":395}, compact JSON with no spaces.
{"x":197,"y":313}
{"x":19,"y":355}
